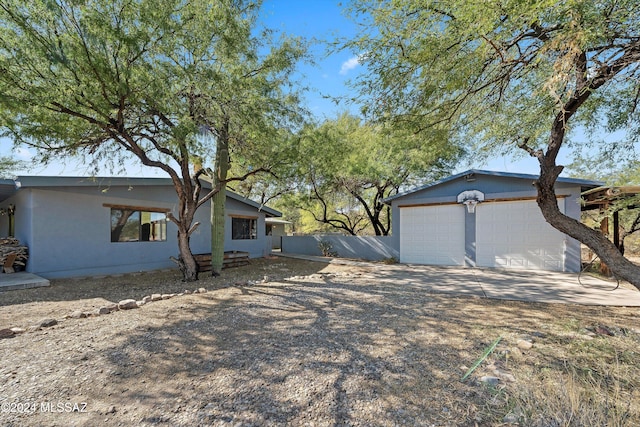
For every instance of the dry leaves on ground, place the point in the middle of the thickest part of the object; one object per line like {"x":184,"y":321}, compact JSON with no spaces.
{"x":313,"y":344}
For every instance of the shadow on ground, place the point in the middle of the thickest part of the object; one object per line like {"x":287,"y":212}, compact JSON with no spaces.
{"x":324,"y":352}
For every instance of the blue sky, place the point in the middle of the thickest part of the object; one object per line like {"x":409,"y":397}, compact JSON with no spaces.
{"x":322,"y":20}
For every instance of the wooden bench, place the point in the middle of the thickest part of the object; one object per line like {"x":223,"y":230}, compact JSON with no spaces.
{"x":231,"y":259}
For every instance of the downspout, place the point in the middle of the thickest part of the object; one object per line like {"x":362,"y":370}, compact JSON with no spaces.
{"x":11,"y":214}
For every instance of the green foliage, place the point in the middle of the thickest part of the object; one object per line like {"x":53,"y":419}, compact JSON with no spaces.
{"x":159,"y":81}
{"x":346,"y":168}
{"x":99,"y":76}
{"x":497,"y":74}
{"x":327,"y":248}
{"x":8,"y":165}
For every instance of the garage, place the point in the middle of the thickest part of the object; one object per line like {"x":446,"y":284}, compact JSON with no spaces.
{"x":432,"y":235}
{"x":516,"y":235}
{"x":486,"y":219}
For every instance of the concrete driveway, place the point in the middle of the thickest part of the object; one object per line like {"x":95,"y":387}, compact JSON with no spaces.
{"x":517,"y":285}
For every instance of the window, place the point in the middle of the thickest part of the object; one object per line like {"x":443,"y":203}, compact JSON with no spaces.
{"x":244,"y":228}
{"x":133,"y":225}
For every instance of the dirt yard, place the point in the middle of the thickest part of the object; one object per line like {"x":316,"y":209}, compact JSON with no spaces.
{"x":289,"y":342}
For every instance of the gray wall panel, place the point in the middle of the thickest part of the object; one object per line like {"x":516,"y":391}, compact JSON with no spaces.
{"x":372,"y":248}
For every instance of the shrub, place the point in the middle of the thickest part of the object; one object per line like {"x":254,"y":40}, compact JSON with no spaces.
{"x":327,"y":248}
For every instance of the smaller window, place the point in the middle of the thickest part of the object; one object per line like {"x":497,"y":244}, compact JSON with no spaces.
{"x":244,"y":228}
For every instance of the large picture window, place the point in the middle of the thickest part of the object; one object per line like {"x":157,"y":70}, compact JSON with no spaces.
{"x":134,"y":225}
{"x":244,"y":228}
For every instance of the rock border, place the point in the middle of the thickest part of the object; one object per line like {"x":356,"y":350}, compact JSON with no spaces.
{"x":126,"y":304}
{"x":130,"y":304}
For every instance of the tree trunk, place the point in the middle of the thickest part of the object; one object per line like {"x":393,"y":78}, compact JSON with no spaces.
{"x":221,"y":168}
{"x":186,"y":262}
{"x":594,"y":239}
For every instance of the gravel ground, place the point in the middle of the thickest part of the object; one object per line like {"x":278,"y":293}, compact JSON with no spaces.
{"x":280,"y":342}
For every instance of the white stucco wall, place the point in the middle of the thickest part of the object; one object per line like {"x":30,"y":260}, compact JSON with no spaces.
{"x":493,"y":187}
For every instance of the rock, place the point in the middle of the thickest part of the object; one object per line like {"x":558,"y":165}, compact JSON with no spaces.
{"x":111,"y":410}
{"x":106,"y":309}
{"x":506,"y":376}
{"x":187,"y":291}
{"x":18,"y":330}
{"x":166,"y":296}
{"x":603,"y":330}
{"x":6,"y":333}
{"x":78,"y":315}
{"x":510,"y":419}
{"x":202,"y":291}
{"x":489,"y":380}
{"x":47,"y":323}
{"x":146,"y":299}
{"x":524,"y":344}
{"x":140,"y":303}
{"x":127,"y":304}
{"x":156,"y":297}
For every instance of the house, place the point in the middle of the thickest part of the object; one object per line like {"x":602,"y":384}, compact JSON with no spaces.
{"x":77,"y":226}
{"x":486,"y":219}
{"x":276,"y":229}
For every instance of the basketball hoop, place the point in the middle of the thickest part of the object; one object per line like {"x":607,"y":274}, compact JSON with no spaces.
{"x":471,"y":205}
{"x":470,"y":199}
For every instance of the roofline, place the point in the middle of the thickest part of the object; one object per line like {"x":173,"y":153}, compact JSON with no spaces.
{"x":7,"y":189}
{"x":83,"y":181}
{"x":266,"y":209}
{"x":581,"y":182}
{"x":621,"y":188}
{"x":277,"y":221}
{"x":87,"y":181}
{"x":7,"y":182}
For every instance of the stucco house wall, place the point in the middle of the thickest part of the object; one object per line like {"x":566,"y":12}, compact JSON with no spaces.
{"x":65,"y":222}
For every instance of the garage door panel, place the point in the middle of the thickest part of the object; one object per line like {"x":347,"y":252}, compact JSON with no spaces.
{"x":515,"y":235}
{"x":432,"y":235}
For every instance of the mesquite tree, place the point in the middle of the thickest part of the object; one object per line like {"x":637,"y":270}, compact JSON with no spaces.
{"x":509,"y":75}
{"x":145,"y":79}
{"x":347,"y":167}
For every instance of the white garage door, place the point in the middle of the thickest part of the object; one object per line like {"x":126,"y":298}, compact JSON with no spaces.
{"x":515,"y":235}
{"x":432,"y":235}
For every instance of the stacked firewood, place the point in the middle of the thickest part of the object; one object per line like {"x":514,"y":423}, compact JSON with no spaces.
{"x":10,"y":248}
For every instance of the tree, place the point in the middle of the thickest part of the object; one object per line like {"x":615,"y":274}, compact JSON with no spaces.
{"x":155,"y":80}
{"x":509,"y":74}
{"x":348,"y":167}
{"x":8,"y":165}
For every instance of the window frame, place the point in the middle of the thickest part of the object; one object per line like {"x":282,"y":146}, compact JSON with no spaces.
{"x":139,"y":211}
{"x":252,"y":231}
